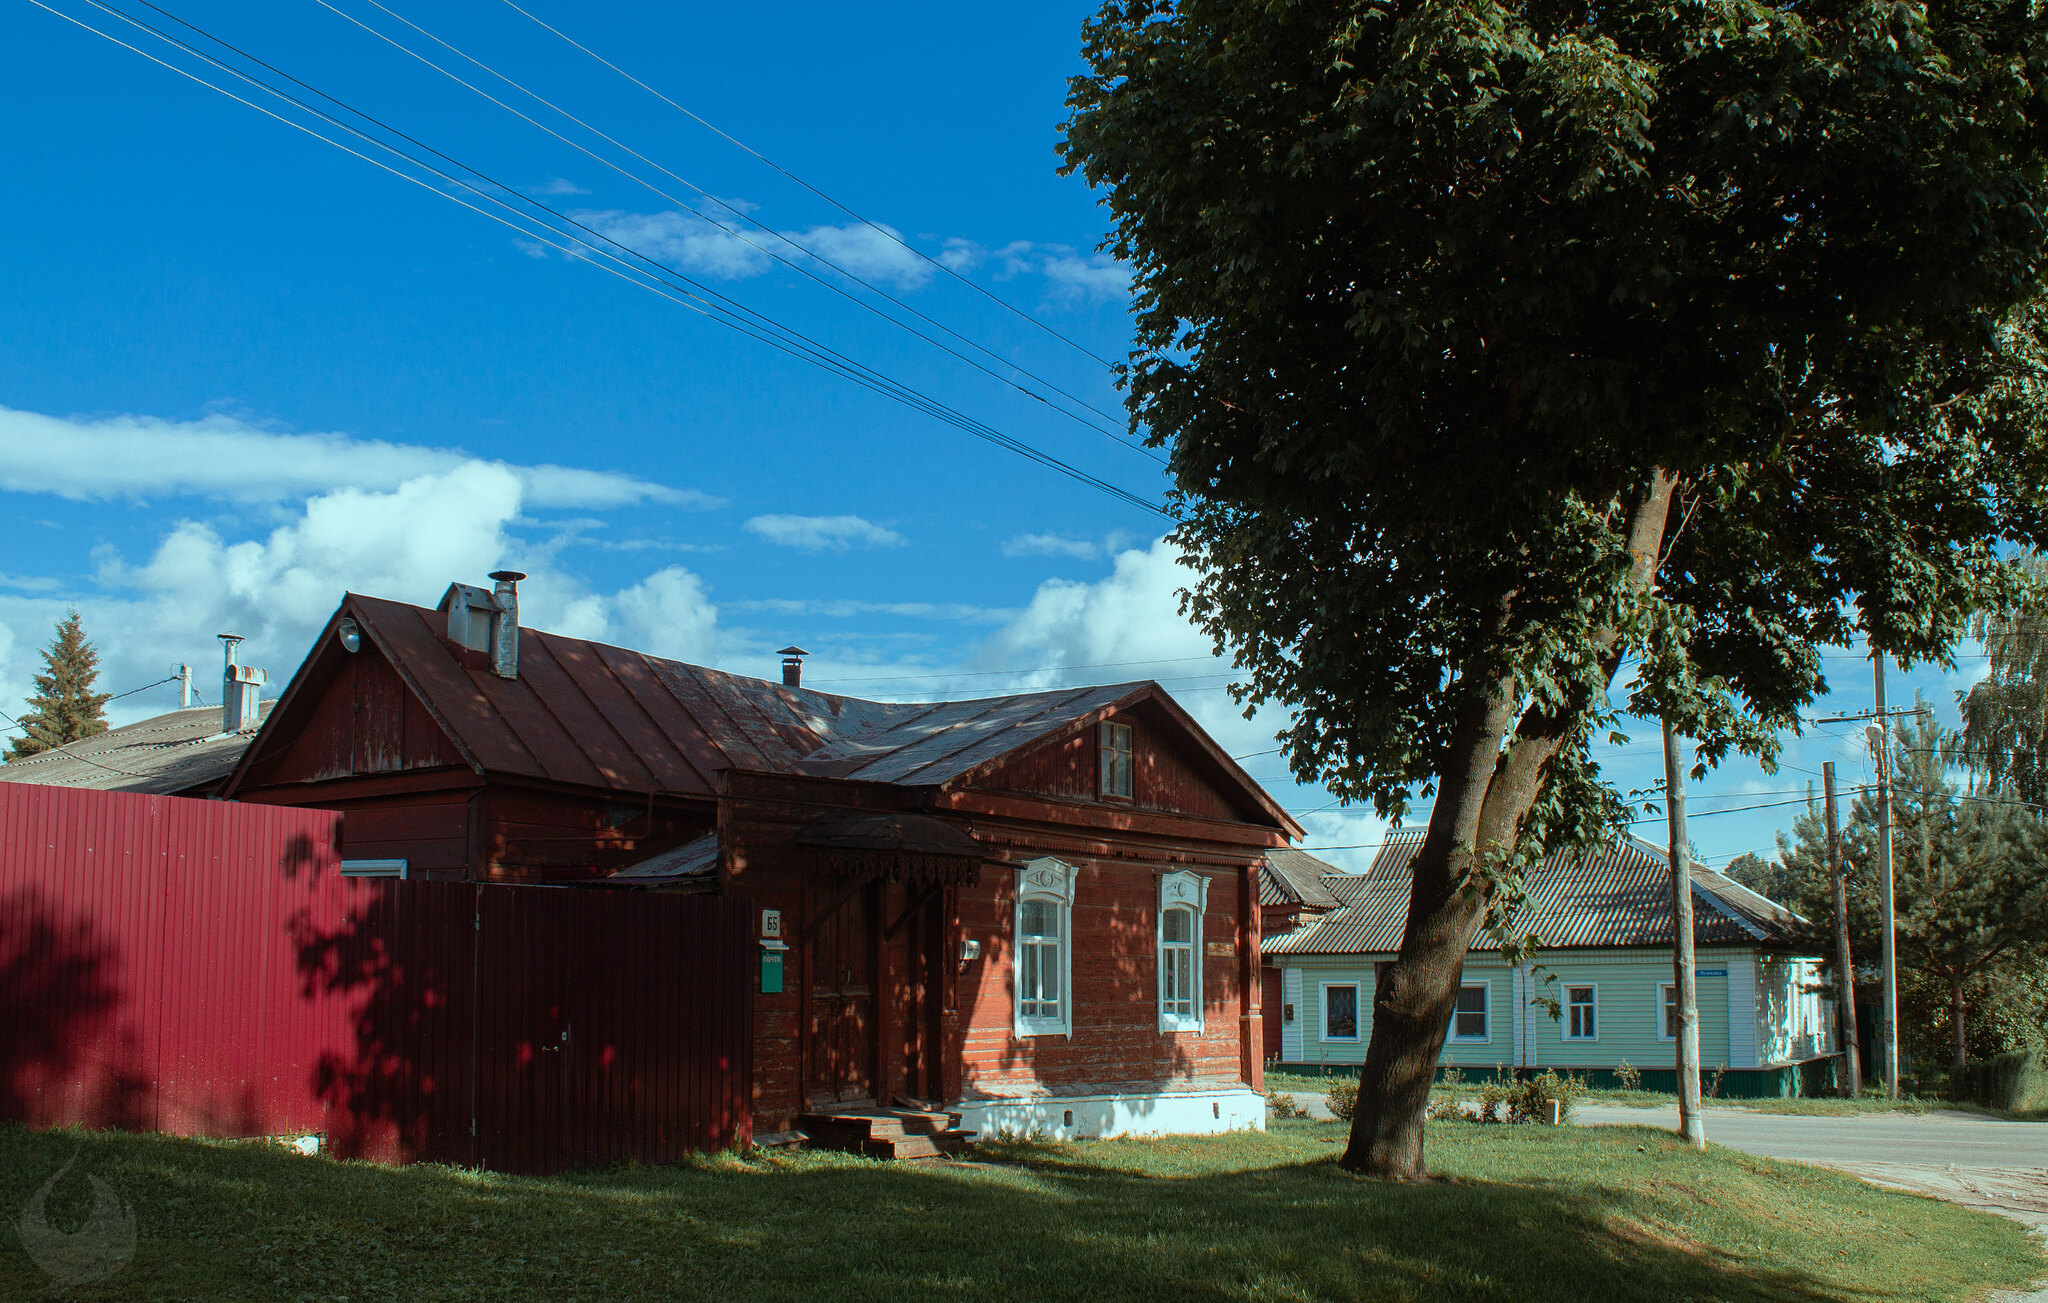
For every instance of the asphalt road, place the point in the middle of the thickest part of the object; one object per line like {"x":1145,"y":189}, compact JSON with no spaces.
{"x":1939,"y":1140}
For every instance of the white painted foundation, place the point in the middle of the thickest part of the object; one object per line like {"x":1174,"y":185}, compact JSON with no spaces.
{"x":1068,"y":1117}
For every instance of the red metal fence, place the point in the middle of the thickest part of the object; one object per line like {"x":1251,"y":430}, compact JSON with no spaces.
{"x":203,"y":968}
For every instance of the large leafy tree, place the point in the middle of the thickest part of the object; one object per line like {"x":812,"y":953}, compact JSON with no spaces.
{"x":1497,"y":343}
{"x":1970,"y":894}
{"x":2004,"y":739}
{"x":64,"y":708}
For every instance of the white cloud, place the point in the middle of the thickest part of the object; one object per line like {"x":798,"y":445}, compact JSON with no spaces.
{"x":531,"y":248}
{"x":867,"y":252}
{"x":715,"y":243}
{"x":1072,"y":277}
{"x":685,"y":241}
{"x":558,"y":186}
{"x":1080,"y":549}
{"x":823,"y":533}
{"x":1095,"y":279}
{"x":667,"y":614}
{"x":277,"y":588}
{"x":142,"y":457}
{"x":961,"y":255}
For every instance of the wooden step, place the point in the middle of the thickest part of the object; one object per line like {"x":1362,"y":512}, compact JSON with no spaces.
{"x":927,"y":1146}
{"x":886,"y":1133}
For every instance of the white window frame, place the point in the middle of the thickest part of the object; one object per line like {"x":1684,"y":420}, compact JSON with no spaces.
{"x":1484,"y":984}
{"x":1323,"y":1014}
{"x":1051,"y":880}
{"x":1566,"y":1029}
{"x":1189,"y":891}
{"x":1662,"y":987}
{"x":1108,"y":754}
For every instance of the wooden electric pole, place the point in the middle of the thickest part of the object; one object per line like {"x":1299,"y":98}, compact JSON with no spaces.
{"x":1691,"y":1125}
{"x":1881,"y":744}
{"x":1845,"y":975}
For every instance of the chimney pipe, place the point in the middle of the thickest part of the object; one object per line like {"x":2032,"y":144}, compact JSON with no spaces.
{"x":184,"y":687}
{"x":240,"y":688}
{"x":505,"y":624}
{"x":792,"y":666}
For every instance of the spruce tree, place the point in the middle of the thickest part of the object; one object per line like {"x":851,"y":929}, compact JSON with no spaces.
{"x":64,"y":707}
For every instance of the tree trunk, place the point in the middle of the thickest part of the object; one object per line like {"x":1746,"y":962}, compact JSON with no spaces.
{"x":1483,"y":795}
{"x":1957,"y":1008}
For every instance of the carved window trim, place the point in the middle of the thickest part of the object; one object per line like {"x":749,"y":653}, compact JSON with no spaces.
{"x":1049,"y":881}
{"x":1187,"y":891}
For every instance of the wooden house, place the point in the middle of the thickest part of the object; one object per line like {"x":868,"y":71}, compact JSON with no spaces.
{"x":1038,"y":912}
{"x":1602,"y":926}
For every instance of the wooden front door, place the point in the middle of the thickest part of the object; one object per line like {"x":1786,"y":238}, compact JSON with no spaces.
{"x":839,"y":1059}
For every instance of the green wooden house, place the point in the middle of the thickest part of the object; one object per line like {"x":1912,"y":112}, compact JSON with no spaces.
{"x":1602,"y":924}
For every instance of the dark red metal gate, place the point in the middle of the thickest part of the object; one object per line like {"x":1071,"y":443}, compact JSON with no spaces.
{"x":204,"y":968}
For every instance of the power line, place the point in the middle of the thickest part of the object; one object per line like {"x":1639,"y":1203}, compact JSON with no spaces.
{"x":880,"y":229}
{"x":714,"y":306}
{"x":738,"y":213}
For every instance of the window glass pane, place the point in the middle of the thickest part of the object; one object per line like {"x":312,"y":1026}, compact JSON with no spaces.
{"x":1671,"y":1012}
{"x":1180,"y":924}
{"x":1049,"y":976}
{"x":1471,"y":1026}
{"x":1041,"y":918}
{"x":1471,"y":999}
{"x":1340,"y":1011}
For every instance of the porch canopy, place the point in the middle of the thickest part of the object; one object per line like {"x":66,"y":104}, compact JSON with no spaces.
{"x":893,"y":846}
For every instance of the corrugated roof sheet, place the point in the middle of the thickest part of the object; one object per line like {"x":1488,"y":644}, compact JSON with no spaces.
{"x":693,"y":861}
{"x":600,"y":716}
{"x":176,"y":752}
{"x":1617,"y":896}
{"x":1291,"y":877}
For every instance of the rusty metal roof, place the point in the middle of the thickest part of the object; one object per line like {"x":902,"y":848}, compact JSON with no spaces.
{"x":693,"y":861}
{"x":182,"y":751}
{"x":595,"y":715}
{"x":1291,"y":877}
{"x":1617,"y":896}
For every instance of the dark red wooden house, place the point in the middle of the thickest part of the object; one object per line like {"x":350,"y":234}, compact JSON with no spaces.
{"x":1039,"y":912}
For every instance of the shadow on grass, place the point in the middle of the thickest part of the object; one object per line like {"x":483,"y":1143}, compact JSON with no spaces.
{"x":1043,"y":1222}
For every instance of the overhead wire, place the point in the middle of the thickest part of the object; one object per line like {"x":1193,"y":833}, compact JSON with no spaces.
{"x":765,"y":160}
{"x":696,"y":296}
{"x":739,"y":213}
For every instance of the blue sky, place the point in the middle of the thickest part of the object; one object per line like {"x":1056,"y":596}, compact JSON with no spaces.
{"x":242,"y":371}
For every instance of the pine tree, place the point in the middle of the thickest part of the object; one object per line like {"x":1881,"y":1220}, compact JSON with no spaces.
{"x":64,"y":707}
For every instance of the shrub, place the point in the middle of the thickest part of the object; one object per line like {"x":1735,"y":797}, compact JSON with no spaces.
{"x":1343,"y":1099}
{"x":1493,"y":1093}
{"x":1714,"y":1082}
{"x":1284,"y":1106}
{"x":1449,"y":1106}
{"x":1530,"y":1100}
{"x":1628,"y":1075}
{"x":2012,"y":1081}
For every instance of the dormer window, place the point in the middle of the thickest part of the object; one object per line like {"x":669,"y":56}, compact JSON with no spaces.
{"x":1116,"y":760}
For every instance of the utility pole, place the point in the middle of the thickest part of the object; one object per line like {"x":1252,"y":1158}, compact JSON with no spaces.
{"x":1845,"y":976}
{"x":1691,"y":1125}
{"x":1888,"y":1030}
{"x":184,"y":687}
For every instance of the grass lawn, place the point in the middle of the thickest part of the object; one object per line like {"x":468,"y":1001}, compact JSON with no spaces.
{"x":1526,"y":1214}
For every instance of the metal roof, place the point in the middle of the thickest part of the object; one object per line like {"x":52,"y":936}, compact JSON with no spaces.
{"x":1619,"y":895}
{"x":595,"y":715}
{"x":182,"y":751}
{"x":693,"y":861}
{"x":1290,"y":877}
